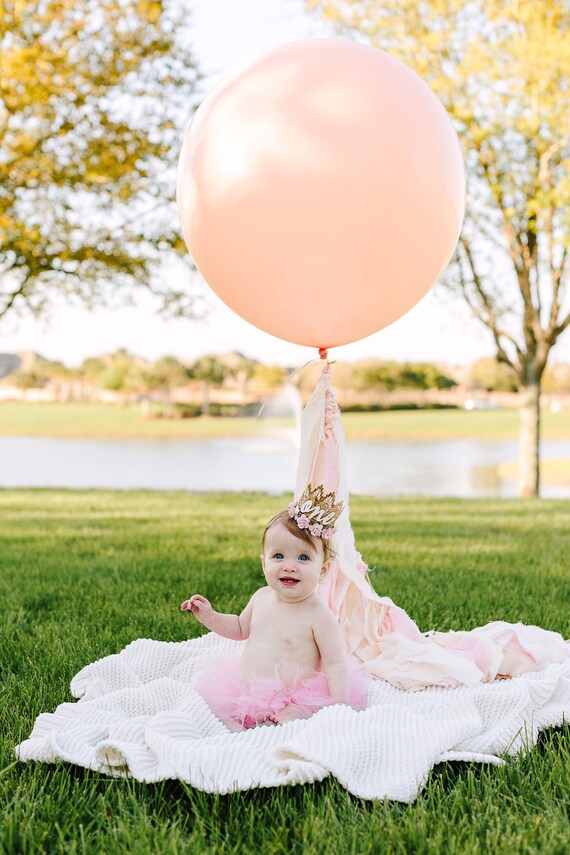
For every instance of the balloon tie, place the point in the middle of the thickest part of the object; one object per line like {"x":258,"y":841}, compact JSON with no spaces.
{"x":323,"y":353}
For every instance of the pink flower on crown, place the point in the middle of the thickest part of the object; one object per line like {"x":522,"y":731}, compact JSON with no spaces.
{"x":303,"y":521}
{"x":328,"y":532}
{"x":316,"y":530}
{"x":293,"y":510}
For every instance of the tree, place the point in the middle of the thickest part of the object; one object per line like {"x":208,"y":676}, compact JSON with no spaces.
{"x":423,"y":375}
{"x":90,"y":372}
{"x":122,"y":373}
{"x":557,"y":379}
{"x":395,"y":375}
{"x":269,"y":376}
{"x":502,"y":70}
{"x":211,"y":372}
{"x":93,"y":98}
{"x":61,"y":376}
{"x":384,"y":375}
{"x":244,"y":371}
{"x":492,"y":375}
{"x":27,"y":380}
{"x":166,"y":373}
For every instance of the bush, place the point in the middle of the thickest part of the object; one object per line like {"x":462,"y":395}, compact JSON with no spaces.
{"x":378,"y":408}
{"x":186,"y":411}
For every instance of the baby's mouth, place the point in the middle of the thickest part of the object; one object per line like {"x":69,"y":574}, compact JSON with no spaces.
{"x":289,"y":581}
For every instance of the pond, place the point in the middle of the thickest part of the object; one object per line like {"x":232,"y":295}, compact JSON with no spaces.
{"x":466,"y":468}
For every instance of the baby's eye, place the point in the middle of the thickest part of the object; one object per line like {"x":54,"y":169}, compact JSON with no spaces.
{"x":304,"y":557}
{"x":278,"y":555}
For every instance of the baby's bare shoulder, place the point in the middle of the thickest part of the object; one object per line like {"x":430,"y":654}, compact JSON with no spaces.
{"x":260,"y":595}
{"x":262,"y":592}
{"x":321,"y":611}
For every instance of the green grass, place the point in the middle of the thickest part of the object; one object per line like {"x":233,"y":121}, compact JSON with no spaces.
{"x":113,"y":420}
{"x":84,"y":573}
{"x":109,"y":420}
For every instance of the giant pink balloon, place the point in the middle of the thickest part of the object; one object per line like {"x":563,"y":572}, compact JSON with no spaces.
{"x":321,"y":191}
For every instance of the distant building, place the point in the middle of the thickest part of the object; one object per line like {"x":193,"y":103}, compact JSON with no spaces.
{"x":9,"y":363}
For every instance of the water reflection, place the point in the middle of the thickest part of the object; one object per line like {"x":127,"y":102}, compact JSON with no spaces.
{"x":462,"y":467}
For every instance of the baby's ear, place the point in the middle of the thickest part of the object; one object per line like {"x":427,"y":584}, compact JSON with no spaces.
{"x":325,"y":569}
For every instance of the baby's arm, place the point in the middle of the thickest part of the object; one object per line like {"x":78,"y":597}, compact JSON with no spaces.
{"x":230,"y":626}
{"x":328,"y":638}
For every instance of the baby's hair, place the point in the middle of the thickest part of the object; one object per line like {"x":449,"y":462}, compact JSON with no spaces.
{"x":302,"y":533}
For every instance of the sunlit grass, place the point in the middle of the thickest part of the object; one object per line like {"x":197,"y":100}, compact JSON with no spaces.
{"x":551,"y":471}
{"x":113,"y":420}
{"x":83,"y":573}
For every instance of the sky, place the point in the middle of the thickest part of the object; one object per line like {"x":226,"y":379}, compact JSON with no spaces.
{"x":228,"y":34}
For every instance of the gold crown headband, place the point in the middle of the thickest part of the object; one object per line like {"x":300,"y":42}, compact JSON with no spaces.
{"x":316,"y":511}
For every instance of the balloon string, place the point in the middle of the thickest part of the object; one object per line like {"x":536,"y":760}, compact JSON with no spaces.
{"x":323,"y":354}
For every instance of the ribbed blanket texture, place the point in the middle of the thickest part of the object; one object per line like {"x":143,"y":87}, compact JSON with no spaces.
{"x":139,"y":715}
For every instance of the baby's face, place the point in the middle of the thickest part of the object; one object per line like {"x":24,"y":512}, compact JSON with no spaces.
{"x":291,"y":566}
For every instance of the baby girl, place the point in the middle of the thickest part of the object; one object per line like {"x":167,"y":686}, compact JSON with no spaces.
{"x":293,"y":662}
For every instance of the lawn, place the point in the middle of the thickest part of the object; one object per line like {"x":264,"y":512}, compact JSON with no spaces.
{"x":109,"y":420}
{"x":84,"y":573}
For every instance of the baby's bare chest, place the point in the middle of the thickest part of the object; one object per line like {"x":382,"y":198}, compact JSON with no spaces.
{"x":288,"y":626}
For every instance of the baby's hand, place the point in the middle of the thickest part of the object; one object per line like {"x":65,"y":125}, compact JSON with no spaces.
{"x":198,"y":605}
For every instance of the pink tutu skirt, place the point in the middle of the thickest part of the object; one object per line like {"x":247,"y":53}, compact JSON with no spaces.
{"x":241,"y":704}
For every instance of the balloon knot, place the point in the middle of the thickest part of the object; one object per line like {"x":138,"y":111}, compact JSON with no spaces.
{"x":323,"y":353}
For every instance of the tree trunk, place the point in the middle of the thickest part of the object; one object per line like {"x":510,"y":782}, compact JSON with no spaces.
{"x":529,"y":440}
{"x":167,"y":404}
{"x":145,"y":408}
{"x":206,"y":399}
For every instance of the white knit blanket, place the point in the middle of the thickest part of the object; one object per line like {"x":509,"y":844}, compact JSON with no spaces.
{"x":139,"y":715}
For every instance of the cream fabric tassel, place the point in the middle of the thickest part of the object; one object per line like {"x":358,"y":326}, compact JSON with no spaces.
{"x":379,"y":634}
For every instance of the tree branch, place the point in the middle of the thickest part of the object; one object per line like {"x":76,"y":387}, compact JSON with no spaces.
{"x":545,"y":181}
{"x":533,"y":331}
{"x":488,"y":317}
{"x":556,"y":278}
{"x":559,"y":329}
{"x":13,"y":296}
